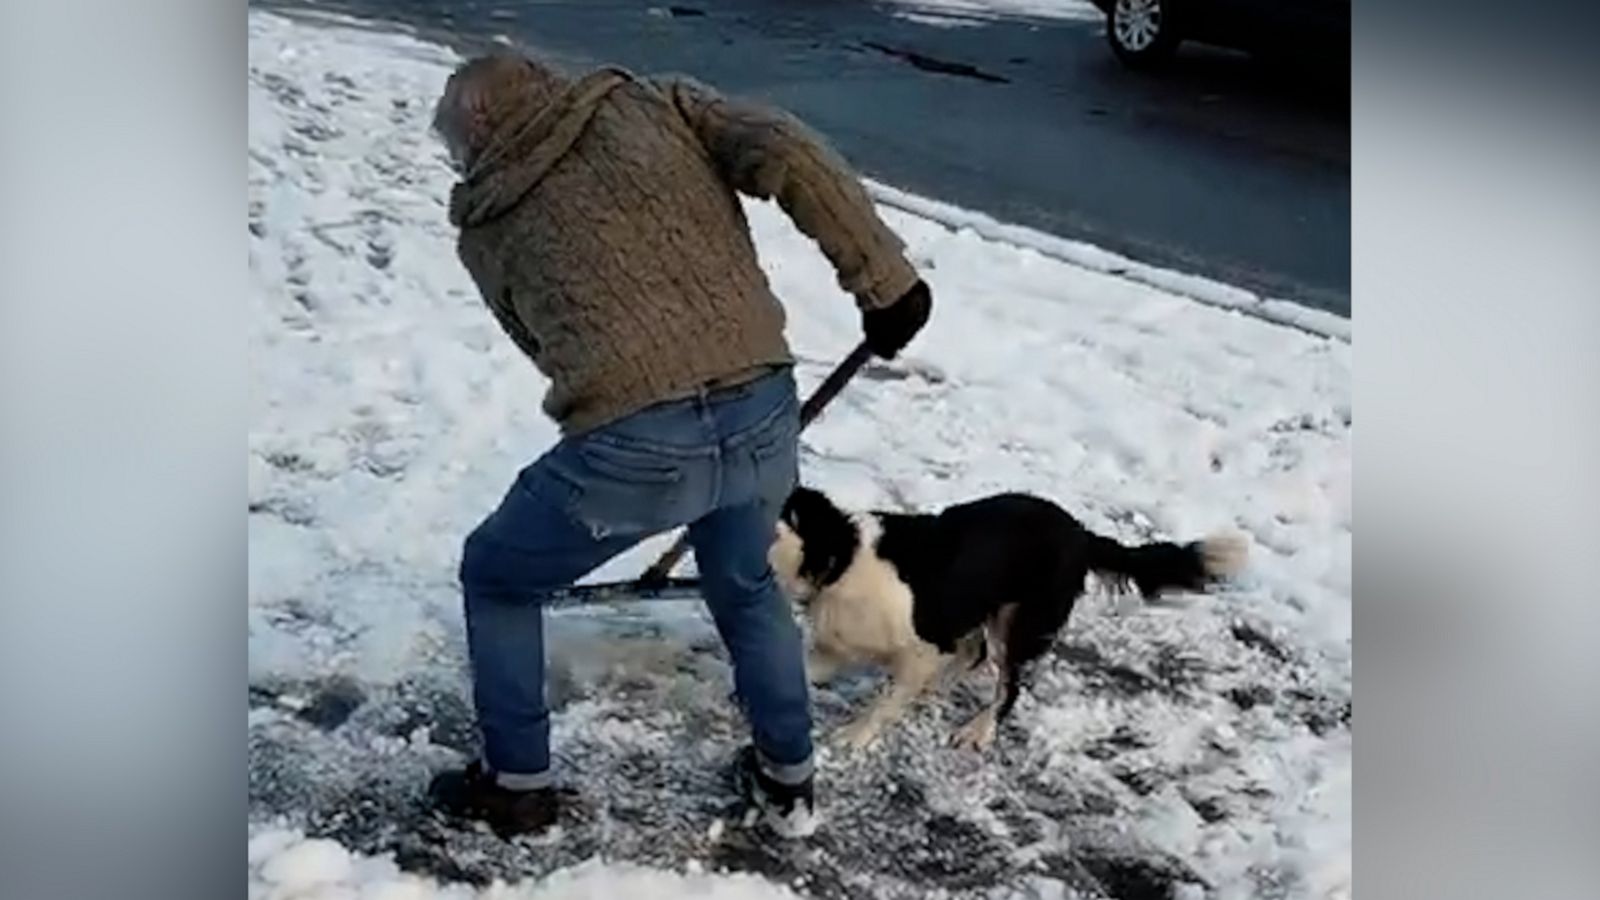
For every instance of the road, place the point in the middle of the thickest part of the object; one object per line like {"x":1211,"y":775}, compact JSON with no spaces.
{"x":1222,"y":166}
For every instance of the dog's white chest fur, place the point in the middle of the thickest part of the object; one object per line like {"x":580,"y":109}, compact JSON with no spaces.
{"x":866,"y":613}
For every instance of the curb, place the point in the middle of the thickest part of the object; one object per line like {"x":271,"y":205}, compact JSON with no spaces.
{"x":1087,"y":256}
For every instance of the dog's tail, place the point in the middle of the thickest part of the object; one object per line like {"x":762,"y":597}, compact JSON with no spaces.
{"x":1162,"y":566}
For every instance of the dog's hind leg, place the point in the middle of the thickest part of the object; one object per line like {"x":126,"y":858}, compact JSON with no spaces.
{"x":973,"y":650}
{"x":978,"y":733}
{"x":1019,"y":634}
{"x":912,"y":671}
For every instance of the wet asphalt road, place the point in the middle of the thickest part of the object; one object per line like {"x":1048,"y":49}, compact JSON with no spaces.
{"x":1223,"y":166}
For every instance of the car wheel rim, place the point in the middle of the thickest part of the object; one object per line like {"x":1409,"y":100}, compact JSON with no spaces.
{"x":1137,"y":23}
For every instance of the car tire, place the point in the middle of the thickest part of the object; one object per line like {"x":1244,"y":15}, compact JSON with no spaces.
{"x":1141,"y":32}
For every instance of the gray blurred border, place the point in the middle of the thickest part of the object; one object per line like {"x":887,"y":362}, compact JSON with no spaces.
{"x":1476,"y":283}
{"x":122,"y":426}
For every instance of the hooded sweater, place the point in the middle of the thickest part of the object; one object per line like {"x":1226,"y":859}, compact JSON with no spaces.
{"x":602,"y":225}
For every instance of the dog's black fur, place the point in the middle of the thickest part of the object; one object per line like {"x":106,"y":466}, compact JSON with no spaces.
{"x":964,"y":564}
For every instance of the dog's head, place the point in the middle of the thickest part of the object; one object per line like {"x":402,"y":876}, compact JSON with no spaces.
{"x":814,"y":545}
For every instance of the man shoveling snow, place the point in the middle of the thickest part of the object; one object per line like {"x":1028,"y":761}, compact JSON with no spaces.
{"x":600,"y":220}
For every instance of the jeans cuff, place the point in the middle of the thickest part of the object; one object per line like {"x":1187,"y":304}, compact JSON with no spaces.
{"x":524,"y":781}
{"x":789,"y":774}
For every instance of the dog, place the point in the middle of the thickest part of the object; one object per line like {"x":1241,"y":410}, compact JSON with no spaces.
{"x":988,"y":581}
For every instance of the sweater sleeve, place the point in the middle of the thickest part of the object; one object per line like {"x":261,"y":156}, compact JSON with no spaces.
{"x":768,"y":154}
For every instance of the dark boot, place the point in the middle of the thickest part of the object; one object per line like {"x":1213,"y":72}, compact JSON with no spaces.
{"x":472,"y":793}
{"x":788,"y":809}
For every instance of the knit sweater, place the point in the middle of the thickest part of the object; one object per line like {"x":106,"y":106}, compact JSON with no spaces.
{"x":601,"y":224}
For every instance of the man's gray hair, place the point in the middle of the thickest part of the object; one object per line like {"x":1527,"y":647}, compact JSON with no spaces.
{"x":475,"y":96}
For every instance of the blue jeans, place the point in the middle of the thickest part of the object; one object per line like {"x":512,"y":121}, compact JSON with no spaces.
{"x":721,"y":463}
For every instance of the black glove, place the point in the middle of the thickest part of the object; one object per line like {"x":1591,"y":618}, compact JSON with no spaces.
{"x":891,"y":328}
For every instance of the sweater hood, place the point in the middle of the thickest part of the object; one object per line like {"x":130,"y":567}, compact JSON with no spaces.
{"x":528,"y":144}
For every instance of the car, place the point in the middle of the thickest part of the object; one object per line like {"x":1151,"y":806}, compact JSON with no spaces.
{"x":1145,"y":33}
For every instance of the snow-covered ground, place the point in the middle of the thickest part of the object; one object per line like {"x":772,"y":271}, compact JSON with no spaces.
{"x":1202,"y":747}
{"x":962,"y":13}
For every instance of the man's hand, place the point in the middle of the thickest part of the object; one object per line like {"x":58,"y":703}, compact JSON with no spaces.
{"x":891,"y":328}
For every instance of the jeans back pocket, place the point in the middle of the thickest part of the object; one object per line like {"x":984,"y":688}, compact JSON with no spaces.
{"x":773,"y":449}
{"x":631,"y":491}
{"x":633,"y":465}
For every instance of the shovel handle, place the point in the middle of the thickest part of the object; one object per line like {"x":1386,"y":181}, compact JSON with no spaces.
{"x":833,"y":384}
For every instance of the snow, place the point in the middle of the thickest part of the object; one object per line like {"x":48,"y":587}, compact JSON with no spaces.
{"x":1201,"y":742}
{"x":966,"y":13}
{"x":938,"y":20}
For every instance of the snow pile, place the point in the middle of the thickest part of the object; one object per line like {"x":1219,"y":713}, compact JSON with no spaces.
{"x":961,"y":13}
{"x":1201,"y":745}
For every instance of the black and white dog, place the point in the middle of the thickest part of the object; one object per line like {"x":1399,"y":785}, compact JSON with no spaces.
{"x":991,"y":579}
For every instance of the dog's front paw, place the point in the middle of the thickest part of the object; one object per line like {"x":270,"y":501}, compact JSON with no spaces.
{"x":859,"y":735}
{"x":977,"y":734}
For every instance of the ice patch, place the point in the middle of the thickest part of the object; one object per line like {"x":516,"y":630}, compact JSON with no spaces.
{"x":285,"y":865}
{"x":946,"y":11}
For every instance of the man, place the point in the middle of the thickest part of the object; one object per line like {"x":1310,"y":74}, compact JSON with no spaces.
{"x":600,"y":221}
